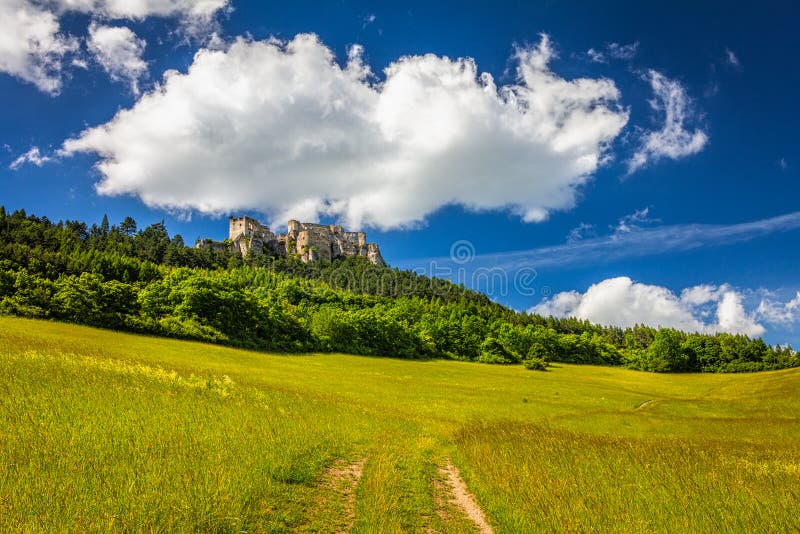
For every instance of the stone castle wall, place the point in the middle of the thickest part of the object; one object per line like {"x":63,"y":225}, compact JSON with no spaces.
{"x":310,"y":241}
{"x":248,"y":234}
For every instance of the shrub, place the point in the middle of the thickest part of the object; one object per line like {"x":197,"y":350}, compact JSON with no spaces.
{"x":539,"y":352}
{"x":535,"y":364}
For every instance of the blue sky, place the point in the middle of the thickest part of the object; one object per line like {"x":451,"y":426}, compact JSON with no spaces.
{"x":663,"y":184}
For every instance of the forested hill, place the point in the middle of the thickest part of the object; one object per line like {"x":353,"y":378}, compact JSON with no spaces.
{"x":122,"y":277}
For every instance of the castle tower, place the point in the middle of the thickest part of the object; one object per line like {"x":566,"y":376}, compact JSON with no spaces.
{"x":293,"y":228}
{"x":237,"y":226}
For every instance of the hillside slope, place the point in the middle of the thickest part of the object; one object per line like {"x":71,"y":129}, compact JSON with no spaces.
{"x":146,"y":281}
{"x":102,"y":430}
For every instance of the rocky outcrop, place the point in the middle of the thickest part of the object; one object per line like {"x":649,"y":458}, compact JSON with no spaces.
{"x":310,"y":241}
{"x":374,"y":254}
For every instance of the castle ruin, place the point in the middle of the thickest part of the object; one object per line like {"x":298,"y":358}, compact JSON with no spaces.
{"x":310,"y":241}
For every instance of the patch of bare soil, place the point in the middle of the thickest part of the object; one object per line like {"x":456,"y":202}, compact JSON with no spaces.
{"x":334,"y":509}
{"x":463,"y":498}
{"x":342,"y":480}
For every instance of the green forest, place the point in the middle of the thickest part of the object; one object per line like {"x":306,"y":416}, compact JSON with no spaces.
{"x":142,"y":280}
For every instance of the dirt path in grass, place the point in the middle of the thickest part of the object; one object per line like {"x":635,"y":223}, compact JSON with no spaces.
{"x":463,"y":499}
{"x":336,"y":508}
{"x":343,"y":480}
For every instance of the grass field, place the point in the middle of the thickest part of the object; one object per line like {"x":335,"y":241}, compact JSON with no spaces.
{"x":105,"y":431}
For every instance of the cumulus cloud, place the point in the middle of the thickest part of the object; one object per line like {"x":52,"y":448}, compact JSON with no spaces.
{"x":731,"y":316}
{"x":780,"y":312}
{"x":33,"y":156}
{"x":193,"y":13}
{"x":623,"y":302}
{"x":561,"y":304}
{"x":699,"y":295}
{"x":119,"y":51}
{"x":282,"y":128}
{"x":673,"y":140}
{"x":32,"y":47}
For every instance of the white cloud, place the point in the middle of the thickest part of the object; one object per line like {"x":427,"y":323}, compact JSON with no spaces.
{"x":33,"y":156}
{"x":783,"y":164}
{"x":119,"y":51}
{"x":699,"y":295}
{"x":633,"y":221}
{"x":281,"y":128}
{"x":732,"y":318}
{"x":613,"y":51}
{"x":369,"y":19}
{"x":673,"y":140}
{"x":34,"y":49}
{"x":582,"y":231}
{"x":623,"y":51}
{"x":32,"y":46}
{"x":561,"y":304}
{"x":596,"y":55}
{"x":731,"y":57}
{"x":616,"y":247}
{"x":623,"y":302}
{"x":780,"y":313}
{"x":191,"y":12}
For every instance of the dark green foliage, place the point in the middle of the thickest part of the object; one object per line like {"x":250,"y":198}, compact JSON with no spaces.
{"x":31,"y":295}
{"x":143,"y":280}
{"x":492,"y":351}
{"x":665,"y":353}
{"x":88,"y":299}
{"x":128,"y":226}
{"x":364,"y":331}
{"x":220,"y":305}
{"x":536,"y":364}
{"x":539,"y":351}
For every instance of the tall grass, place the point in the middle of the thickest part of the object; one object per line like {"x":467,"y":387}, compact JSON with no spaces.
{"x":565,"y":481}
{"x":95,"y":445}
{"x":101,"y":431}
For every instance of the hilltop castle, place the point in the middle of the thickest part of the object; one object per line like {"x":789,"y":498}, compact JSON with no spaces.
{"x":310,"y":241}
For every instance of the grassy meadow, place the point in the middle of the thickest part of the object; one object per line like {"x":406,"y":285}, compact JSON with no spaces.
{"x":106,"y":431}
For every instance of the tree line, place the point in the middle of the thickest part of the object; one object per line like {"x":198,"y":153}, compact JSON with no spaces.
{"x":143,"y":280}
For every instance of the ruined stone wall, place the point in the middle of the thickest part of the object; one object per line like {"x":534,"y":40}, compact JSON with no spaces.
{"x":248,"y":234}
{"x":310,"y":241}
{"x":248,"y":227}
{"x":314,"y":243}
{"x":210,"y":243}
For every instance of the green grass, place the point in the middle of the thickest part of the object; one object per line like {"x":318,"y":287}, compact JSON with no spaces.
{"x":105,"y":431}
